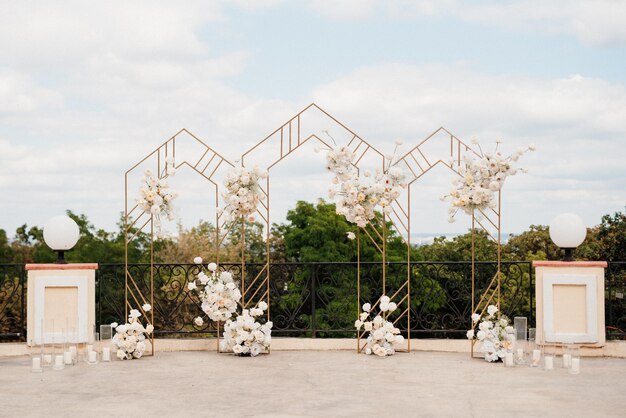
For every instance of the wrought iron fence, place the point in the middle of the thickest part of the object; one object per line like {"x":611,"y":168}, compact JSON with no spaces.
{"x":12,"y":302}
{"x":615,"y":304}
{"x":318,"y":299}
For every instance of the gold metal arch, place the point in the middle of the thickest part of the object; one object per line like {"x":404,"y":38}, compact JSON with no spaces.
{"x":289,"y":137}
{"x":137,"y":220}
{"x":418,"y":161}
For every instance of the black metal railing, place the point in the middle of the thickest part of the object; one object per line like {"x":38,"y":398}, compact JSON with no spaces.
{"x":614,"y":301}
{"x":12,"y":302}
{"x":318,"y":299}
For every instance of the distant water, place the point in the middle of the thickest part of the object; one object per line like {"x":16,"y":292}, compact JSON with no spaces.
{"x":428,"y":237}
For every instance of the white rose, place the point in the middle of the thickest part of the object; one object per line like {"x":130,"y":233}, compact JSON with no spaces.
{"x":146,"y":307}
{"x":149,"y":328}
{"x":392,"y":306}
{"x":492,"y":309}
{"x":197,"y":260}
{"x":212,"y":266}
{"x":192,"y":286}
{"x":470,"y":334}
{"x":198,"y":321}
{"x":114,"y":325}
{"x":367,"y":307}
{"x":358,"y":324}
{"x":475,"y":317}
{"x":263,"y":305}
{"x":121,"y":354}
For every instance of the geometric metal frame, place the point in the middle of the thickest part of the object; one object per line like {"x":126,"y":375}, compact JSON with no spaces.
{"x":206,"y":166}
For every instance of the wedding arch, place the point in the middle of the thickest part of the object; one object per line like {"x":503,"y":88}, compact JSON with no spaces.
{"x":137,"y":220}
{"x":419,"y":161}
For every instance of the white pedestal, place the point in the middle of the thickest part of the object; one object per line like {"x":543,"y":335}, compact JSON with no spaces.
{"x":63,"y":293}
{"x":570,"y":302}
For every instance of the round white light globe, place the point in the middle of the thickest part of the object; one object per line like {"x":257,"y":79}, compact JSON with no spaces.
{"x":61,"y":233}
{"x":567,"y":230}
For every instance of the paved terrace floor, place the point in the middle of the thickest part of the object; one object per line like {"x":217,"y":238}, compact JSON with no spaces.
{"x":311,"y":384}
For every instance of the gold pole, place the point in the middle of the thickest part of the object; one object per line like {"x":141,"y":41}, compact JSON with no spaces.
{"x":152,"y":276}
{"x":358,"y":285}
{"x":384,"y":246}
{"x":499,"y":246}
{"x":408,"y":271}
{"x":473,"y":275}
{"x":126,"y":245}
{"x":243,"y":262}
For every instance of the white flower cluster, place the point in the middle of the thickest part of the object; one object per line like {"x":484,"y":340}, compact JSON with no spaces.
{"x":361,"y":195}
{"x":129,"y":338}
{"x":245,"y":335}
{"x":242,"y":192}
{"x":154,"y":195}
{"x":479,"y":178}
{"x":218,"y":292}
{"x":382,"y":333}
{"x":494,"y":333}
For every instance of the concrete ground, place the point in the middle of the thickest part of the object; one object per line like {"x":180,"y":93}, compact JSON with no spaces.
{"x":311,"y":383}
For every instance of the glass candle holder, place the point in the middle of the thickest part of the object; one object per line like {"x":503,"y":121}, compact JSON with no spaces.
{"x":521,"y":349}
{"x":566,"y":361}
{"x":548,"y":357}
{"x":520,"y":324}
{"x":36,"y":357}
{"x":106,"y":332}
{"x":59,"y":349}
{"x":533,"y":349}
{"x":575,"y":366}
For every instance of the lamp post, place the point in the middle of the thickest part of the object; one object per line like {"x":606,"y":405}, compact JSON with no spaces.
{"x":61,"y":234}
{"x":567,"y":231}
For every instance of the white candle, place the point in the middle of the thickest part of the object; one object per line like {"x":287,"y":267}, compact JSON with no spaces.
{"x":548,"y":362}
{"x":89,"y":347}
{"x":575,"y":365}
{"x":58,"y":360}
{"x":47,"y":359}
{"x":36,"y":363}
{"x":520,"y":353}
{"x":508,"y":359}
{"x":106,"y":354}
{"x":73,"y":352}
{"x":92,"y":356}
{"x":536,"y":357}
{"x":567,"y":361}
{"x":67,"y":357}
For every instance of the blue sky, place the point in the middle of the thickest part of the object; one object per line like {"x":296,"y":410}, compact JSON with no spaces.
{"x":87,"y":89}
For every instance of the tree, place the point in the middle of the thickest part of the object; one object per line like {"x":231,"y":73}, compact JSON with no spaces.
{"x":611,"y":235}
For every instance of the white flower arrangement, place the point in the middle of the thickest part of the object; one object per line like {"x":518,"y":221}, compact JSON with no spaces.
{"x":245,"y":335}
{"x":361,"y":195}
{"x":242,"y":192}
{"x":219,"y":293}
{"x":494,"y":333}
{"x":130,"y":338}
{"x":154,"y":195}
{"x":382,"y":333}
{"x":480,"y":177}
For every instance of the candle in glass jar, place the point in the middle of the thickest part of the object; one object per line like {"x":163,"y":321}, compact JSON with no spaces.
{"x":106,"y":354}
{"x":520,"y":353}
{"x":536,"y":357}
{"x":92,"y":356}
{"x":36,"y":363}
{"x":508,"y":359}
{"x":73,"y":352}
{"x":567,"y":361}
{"x":58,"y":360}
{"x":47,"y":359}
{"x":548,"y":362}
{"x":67,"y":357}
{"x":89,"y":348}
{"x":575,"y":366}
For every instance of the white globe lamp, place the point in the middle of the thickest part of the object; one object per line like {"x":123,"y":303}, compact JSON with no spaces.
{"x":61,"y":234}
{"x":568,"y":231}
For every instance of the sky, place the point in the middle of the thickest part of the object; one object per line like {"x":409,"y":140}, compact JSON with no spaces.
{"x":87,"y":89}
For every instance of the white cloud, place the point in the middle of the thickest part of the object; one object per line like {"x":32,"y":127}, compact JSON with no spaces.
{"x":598,"y":22}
